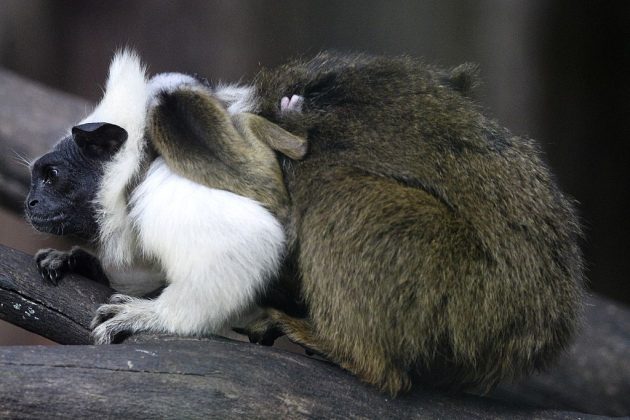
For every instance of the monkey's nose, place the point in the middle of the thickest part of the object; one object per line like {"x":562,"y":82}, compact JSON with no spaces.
{"x":33,"y":203}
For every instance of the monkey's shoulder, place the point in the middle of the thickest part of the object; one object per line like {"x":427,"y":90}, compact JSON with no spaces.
{"x":332,"y":81}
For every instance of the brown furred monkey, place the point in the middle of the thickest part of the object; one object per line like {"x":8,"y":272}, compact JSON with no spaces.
{"x":423,"y":240}
{"x":415,"y":237}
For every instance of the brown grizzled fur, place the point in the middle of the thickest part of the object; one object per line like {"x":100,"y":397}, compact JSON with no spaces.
{"x":425,"y":239}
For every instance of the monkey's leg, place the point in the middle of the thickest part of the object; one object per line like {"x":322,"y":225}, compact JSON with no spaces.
{"x":378,"y":260}
{"x":262,"y":331}
{"x":301,"y":331}
{"x":284,"y":295}
{"x":53,"y":265}
{"x":199,"y":300}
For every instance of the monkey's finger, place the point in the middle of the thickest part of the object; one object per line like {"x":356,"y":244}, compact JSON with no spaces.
{"x":111,"y":332}
{"x":296,"y":102}
{"x":284,"y":103}
{"x":41,"y":254}
{"x":104,"y":313}
{"x":101,"y":335}
{"x":55,"y":276}
{"x":50,"y":277}
{"x":120,"y":298}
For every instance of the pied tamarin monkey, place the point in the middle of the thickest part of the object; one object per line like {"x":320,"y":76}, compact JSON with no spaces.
{"x":416,"y":238}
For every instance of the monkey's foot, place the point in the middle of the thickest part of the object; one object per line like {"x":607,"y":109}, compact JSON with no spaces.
{"x":291,"y":105}
{"x":53,"y":264}
{"x":123,"y":316}
{"x":263,"y":331}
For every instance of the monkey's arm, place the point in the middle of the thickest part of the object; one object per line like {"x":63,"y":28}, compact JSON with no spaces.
{"x":53,"y":265}
{"x":200,"y":139}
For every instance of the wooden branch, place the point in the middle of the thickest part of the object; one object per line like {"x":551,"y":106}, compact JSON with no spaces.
{"x":211,"y":378}
{"x":592,"y":377}
{"x":61,"y":313}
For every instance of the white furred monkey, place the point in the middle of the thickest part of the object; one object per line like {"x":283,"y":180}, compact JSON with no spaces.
{"x":214,"y":249}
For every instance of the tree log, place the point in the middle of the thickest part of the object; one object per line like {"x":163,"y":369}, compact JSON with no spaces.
{"x":193,"y":377}
{"x":151,"y":376}
{"x":61,"y":313}
{"x":212,"y":378}
{"x":593,"y":377}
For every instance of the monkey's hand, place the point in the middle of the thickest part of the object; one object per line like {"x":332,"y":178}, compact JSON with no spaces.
{"x":122,"y":317}
{"x":292,"y":105}
{"x":53,"y":265}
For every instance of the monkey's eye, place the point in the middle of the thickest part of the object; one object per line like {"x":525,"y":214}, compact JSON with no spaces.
{"x":50,"y":175}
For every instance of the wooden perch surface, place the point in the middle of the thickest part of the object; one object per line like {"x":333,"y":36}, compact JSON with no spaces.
{"x":149,"y":377}
{"x":213,"y":378}
{"x":61,"y":313}
{"x":223,"y":378}
{"x":174,"y":377}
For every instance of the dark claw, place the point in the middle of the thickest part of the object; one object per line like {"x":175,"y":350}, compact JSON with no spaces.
{"x":103,"y":314}
{"x":59,"y":260}
{"x":72,"y":263}
{"x":51,"y":276}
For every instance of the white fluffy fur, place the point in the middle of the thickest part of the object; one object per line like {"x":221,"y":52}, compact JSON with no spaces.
{"x":215,"y":248}
{"x":169,"y":82}
{"x":137,"y":279}
{"x":238,"y":98}
{"x":124,"y":104}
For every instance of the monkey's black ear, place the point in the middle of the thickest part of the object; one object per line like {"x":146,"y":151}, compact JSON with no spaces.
{"x":274,"y":136}
{"x":99,"y":140}
{"x":463,"y":78}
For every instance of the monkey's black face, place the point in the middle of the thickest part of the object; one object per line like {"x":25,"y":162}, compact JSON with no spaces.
{"x":64,"y":182}
{"x":63,"y":185}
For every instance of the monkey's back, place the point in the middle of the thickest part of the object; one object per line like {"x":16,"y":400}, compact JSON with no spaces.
{"x":428,"y":236}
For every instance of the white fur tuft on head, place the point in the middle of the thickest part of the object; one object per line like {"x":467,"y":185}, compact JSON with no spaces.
{"x":217,"y":249}
{"x":124,"y":104}
{"x":125,"y":99}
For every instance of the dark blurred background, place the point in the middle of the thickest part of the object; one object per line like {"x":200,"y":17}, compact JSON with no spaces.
{"x":557,"y":71}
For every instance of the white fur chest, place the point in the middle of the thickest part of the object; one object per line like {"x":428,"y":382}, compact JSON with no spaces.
{"x":136,"y":280}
